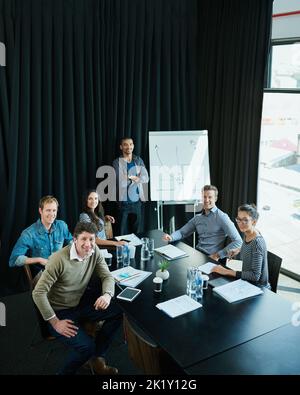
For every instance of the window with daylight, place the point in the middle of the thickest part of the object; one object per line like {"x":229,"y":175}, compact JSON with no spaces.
{"x":285,"y":66}
{"x":279,"y":177}
{"x":279,"y":163}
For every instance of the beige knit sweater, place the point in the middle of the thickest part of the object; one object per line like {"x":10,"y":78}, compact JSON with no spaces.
{"x":64,"y":281}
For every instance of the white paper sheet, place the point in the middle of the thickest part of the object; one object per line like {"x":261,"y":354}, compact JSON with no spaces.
{"x":234,"y":264}
{"x":131,"y":238}
{"x":237,"y":290}
{"x":129,"y":276}
{"x":207,"y":267}
{"x":178,"y":306}
{"x":170,"y":252}
{"x":105,"y":253}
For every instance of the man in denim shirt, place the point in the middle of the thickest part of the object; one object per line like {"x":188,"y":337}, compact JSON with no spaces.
{"x":131,"y":177}
{"x":212,"y":226}
{"x":41,"y":239}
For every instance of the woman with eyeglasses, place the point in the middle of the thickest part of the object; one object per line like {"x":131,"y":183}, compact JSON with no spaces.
{"x":253,"y":251}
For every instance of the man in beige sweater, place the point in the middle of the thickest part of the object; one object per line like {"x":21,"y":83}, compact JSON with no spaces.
{"x":63,"y":299}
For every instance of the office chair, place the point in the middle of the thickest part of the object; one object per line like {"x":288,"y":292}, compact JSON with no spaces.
{"x":32,"y":281}
{"x":41,"y":326}
{"x":89,"y":327}
{"x":145,"y":354}
{"x":274,"y":264}
{"x":108,"y":230}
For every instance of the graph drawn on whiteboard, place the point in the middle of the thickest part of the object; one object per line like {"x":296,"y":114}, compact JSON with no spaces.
{"x":179,"y":164}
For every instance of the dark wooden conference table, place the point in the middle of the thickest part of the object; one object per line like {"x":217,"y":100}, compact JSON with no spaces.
{"x":220,"y":337}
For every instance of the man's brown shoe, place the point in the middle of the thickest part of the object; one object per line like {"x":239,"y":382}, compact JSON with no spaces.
{"x":99,"y":366}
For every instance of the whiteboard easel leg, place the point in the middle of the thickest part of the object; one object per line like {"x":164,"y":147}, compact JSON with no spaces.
{"x":158,"y":215}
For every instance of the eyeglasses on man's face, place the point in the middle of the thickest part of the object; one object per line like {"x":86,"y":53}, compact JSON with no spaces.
{"x":244,"y":221}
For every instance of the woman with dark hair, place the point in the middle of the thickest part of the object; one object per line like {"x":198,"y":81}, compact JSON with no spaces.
{"x":253,"y":251}
{"x":93,"y":212}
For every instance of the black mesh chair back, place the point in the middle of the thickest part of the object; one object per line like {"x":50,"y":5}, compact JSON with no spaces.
{"x":274,"y":265}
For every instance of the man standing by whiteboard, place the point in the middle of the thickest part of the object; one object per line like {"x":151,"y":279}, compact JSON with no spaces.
{"x":213,"y":227}
{"x":131,"y":177}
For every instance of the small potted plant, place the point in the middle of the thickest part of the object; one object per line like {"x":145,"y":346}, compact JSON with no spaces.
{"x":163,"y":272}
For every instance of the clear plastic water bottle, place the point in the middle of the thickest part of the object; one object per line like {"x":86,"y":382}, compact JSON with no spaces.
{"x":145,"y":253}
{"x":191,"y":282}
{"x":119,"y":253}
{"x":126,"y":256}
{"x":199,"y":285}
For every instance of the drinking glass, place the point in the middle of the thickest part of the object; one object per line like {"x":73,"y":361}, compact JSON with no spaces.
{"x":119,"y":254}
{"x":145,"y":253}
{"x":151,"y":247}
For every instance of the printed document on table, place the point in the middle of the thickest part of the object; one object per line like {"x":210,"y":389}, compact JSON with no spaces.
{"x":129,"y":276}
{"x":178,"y":306}
{"x":132,"y":239}
{"x":207,"y":267}
{"x":218,"y":281}
{"x":170,"y":252}
{"x":237,"y":290}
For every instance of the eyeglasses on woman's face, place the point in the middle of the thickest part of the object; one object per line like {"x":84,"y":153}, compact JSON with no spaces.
{"x":244,"y":221}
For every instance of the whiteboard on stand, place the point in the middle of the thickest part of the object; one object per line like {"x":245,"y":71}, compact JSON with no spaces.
{"x":179,"y":164}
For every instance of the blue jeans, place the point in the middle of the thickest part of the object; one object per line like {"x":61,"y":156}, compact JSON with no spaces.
{"x":83,"y":347}
{"x":130,"y":217}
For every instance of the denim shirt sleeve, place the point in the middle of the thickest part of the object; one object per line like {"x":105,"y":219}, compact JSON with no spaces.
{"x":231,"y":231}
{"x":22,"y":246}
{"x":67,"y":235}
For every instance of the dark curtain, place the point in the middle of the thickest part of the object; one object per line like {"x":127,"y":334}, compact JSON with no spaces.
{"x":234,"y":37}
{"x":82,"y":73}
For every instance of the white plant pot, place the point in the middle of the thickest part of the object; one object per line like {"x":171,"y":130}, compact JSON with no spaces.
{"x":164,"y":275}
